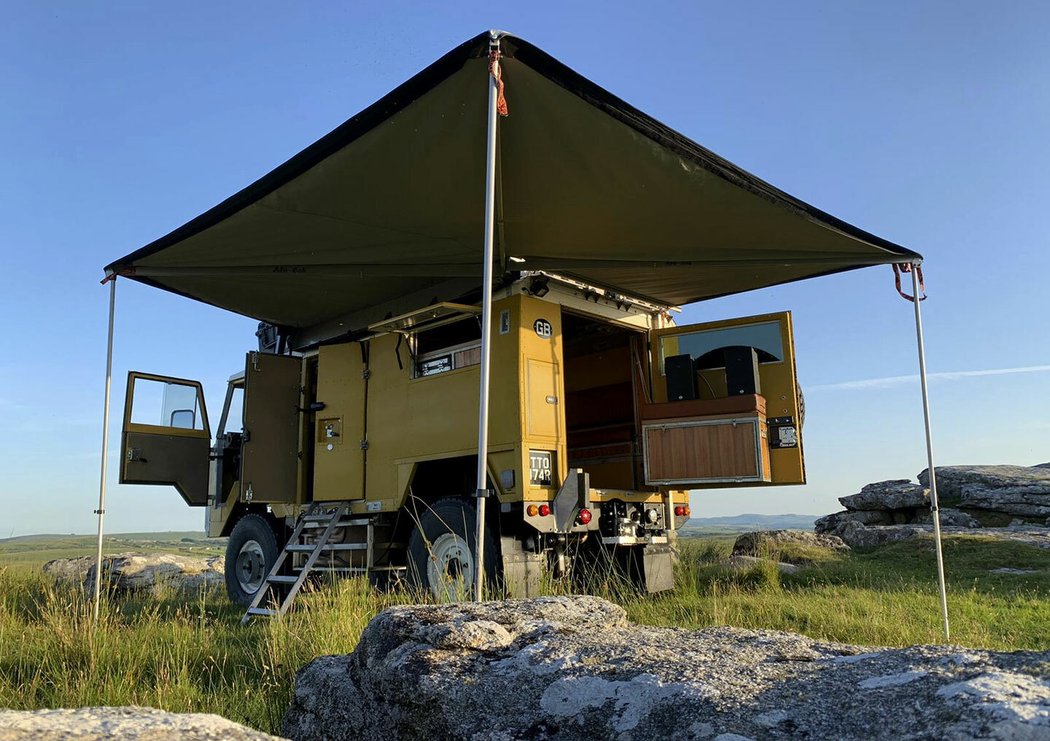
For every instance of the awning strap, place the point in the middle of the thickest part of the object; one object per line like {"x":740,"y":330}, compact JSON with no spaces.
{"x":497,"y":72}
{"x":906,"y":267}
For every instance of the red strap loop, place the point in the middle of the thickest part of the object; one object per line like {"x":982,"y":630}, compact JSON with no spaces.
{"x":906,"y":267}
{"x":495,"y":71}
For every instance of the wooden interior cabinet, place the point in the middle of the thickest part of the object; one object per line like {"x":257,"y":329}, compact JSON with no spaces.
{"x":705,"y":442}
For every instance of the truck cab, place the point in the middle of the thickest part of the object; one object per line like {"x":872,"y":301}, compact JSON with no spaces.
{"x":603,"y":414}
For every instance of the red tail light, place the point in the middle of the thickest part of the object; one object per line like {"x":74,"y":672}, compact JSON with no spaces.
{"x":545,"y":510}
{"x":584,"y":516}
{"x":679,"y":511}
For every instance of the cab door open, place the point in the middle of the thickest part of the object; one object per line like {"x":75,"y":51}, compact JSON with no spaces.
{"x":727,"y":409}
{"x":166,"y":437}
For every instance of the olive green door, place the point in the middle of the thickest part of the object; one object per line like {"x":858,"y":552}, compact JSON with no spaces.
{"x":165,"y":437}
{"x":272,"y":402}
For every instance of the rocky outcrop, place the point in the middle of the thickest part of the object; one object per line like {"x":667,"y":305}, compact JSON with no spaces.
{"x":888,"y":496}
{"x":122,"y":723}
{"x":1012,"y":491}
{"x":950,"y":517}
{"x":131,"y":572}
{"x":989,"y":497}
{"x":574,"y":668}
{"x":790,"y":546}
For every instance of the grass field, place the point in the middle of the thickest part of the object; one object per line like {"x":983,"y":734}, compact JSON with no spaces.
{"x":34,"y":550}
{"x":189,"y":653}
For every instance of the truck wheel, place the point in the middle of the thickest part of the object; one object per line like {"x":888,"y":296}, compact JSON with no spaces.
{"x":250,"y":554}
{"x":441,"y":551}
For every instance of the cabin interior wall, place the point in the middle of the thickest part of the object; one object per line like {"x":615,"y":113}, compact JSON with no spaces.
{"x":600,"y":402}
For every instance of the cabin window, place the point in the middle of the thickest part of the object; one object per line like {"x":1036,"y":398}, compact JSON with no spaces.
{"x":448,"y":347}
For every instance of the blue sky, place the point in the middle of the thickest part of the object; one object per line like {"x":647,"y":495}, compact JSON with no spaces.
{"x":924,"y":122}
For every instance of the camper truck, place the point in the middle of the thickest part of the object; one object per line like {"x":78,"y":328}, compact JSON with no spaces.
{"x":603,"y":413}
{"x":570,"y":225}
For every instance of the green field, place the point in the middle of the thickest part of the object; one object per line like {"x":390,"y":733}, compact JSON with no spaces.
{"x":35,"y":550}
{"x":189,"y":653}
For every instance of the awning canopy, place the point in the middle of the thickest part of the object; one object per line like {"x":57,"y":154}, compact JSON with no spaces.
{"x":386,"y":212}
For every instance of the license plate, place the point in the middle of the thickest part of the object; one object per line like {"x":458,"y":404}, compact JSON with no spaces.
{"x":540,"y":468}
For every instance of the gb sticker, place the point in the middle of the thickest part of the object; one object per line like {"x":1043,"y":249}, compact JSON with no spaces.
{"x":543,"y":328}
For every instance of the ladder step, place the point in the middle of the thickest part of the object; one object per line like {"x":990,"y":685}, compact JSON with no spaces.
{"x":312,"y":521}
{"x":261,"y":611}
{"x":310,"y":547}
{"x":324,"y":517}
{"x":282,"y":579}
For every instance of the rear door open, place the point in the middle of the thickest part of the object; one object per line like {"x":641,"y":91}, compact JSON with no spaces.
{"x":166,"y":437}
{"x":272,"y":414}
{"x":727,"y":409}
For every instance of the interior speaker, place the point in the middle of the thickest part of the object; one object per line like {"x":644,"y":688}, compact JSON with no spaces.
{"x":742,"y":371}
{"x":681,"y":377}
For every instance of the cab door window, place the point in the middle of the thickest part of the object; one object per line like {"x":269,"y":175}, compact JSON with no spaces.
{"x":166,"y":403}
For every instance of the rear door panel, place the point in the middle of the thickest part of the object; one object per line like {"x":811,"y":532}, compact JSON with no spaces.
{"x":270,"y":452}
{"x":772,"y":337}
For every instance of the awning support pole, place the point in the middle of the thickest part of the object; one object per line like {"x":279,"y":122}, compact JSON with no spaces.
{"x":486,"y":335}
{"x":105,"y":441}
{"x":935,"y":509}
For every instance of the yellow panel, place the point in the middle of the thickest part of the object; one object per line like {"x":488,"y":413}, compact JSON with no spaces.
{"x":339,"y":427}
{"x":538,"y":345}
{"x":541,"y":379}
{"x":414,"y":419}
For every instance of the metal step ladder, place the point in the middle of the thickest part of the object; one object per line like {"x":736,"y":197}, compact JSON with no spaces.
{"x":325,"y":517}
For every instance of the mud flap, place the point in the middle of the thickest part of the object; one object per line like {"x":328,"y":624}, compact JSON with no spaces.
{"x":658,"y":568}
{"x":523,"y":571}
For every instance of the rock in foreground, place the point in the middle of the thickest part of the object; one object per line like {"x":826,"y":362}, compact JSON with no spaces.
{"x":125,"y":724}
{"x":574,"y":668}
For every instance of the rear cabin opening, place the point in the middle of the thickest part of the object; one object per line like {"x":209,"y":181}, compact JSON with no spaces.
{"x":604,"y":388}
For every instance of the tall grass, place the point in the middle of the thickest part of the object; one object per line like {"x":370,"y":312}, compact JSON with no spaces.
{"x":189,"y":653}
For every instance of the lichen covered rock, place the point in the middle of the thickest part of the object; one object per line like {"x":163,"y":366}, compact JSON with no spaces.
{"x":121,"y":723}
{"x":574,"y":668}
{"x":134,"y":572}
{"x":794,"y":544}
{"x":888,"y":495}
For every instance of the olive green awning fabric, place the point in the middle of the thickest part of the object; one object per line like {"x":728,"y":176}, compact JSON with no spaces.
{"x":386,"y":212}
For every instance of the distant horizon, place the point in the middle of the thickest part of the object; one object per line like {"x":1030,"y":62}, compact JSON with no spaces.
{"x":107,"y":534}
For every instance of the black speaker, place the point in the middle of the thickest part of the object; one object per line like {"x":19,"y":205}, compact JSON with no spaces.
{"x":681,"y":378}
{"x":742,"y":370}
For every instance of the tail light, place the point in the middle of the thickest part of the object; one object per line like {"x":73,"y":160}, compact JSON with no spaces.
{"x":545,"y":510}
{"x":584,"y":517}
{"x":532,"y":510}
{"x":681,"y":511}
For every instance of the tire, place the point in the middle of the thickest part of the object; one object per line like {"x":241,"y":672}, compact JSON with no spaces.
{"x":441,"y":551}
{"x":250,"y":555}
